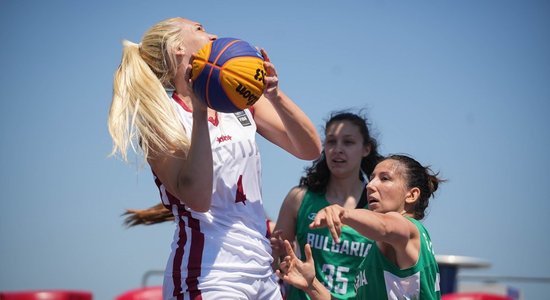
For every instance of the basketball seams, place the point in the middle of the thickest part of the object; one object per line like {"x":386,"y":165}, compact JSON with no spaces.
{"x":222,"y":51}
{"x":234,"y":73}
{"x":238,"y":77}
{"x":230,"y":81}
{"x":202,"y":56}
{"x":212,"y":69}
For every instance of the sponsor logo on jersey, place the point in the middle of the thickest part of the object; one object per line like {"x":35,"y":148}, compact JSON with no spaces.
{"x":223,"y":138}
{"x":243,"y":118}
{"x":311,"y":216}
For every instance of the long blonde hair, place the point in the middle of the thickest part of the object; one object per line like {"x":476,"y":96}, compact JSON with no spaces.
{"x":141,"y":111}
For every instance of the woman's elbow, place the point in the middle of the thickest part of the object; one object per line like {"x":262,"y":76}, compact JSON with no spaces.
{"x":200,"y":203}
{"x":194,"y":193}
{"x":197,"y":198}
{"x":309,"y":157}
{"x":310,"y":154}
{"x":201,"y":209}
{"x":315,"y":149}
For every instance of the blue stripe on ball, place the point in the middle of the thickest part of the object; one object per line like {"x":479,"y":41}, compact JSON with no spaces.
{"x":216,"y":94}
{"x":239,"y":48}
{"x":199,"y":85}
{"x":218,"y":46}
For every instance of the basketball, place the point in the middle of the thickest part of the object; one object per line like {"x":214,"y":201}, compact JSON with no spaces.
{"x":228,"y":75}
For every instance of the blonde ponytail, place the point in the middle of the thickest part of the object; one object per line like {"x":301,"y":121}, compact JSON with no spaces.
{"x":142,"y":116}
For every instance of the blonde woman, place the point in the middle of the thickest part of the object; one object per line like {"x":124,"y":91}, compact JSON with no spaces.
{"x":206,"y":164}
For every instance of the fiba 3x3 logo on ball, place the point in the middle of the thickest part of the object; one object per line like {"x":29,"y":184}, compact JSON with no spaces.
{"x":228,"y":75}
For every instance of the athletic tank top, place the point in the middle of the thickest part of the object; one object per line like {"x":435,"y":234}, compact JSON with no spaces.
{"x":380,"y":278}
{"x":336,"y":264}
{"x":229,"y":240}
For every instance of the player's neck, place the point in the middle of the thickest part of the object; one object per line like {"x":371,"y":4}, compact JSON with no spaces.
{"x":345,"y":192}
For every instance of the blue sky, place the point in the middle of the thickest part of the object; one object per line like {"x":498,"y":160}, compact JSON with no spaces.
{"x":461,"y":85}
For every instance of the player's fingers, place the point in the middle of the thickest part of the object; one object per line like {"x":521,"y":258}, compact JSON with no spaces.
{"x":289,"y":250}
{"x":334,"y":232}
{"x":337,"y":224}
{"x":189,"y":68}
{"x":333,"y":224}
{"x":275,"y":243}
{"x":270,"y":69}
{"x":277,"y":233}
{"x":319,"y":217}
{"x":264,"y":54}
{"x":309,"y":255}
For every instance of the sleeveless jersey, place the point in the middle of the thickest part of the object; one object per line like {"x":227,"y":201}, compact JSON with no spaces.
{"x":336,"y":264}
{"x":380,"y":278}
{"x":228,"y":241}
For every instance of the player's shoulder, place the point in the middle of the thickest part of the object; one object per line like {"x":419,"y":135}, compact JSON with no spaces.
{"x":297,"y":193}
{"x":294,"y":198}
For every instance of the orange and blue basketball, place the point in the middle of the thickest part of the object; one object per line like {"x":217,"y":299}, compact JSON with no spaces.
{"x":228,"y":75}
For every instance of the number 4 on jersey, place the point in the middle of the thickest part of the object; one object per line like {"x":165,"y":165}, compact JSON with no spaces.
{"x":240,"y":196}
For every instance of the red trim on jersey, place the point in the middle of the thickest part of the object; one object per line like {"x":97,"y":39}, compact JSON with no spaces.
{"x":268,"y":228}
{"x":214,"y":120}
{"x":172,"y":200}
{"x":194,"y":264}
{"x":178,"y":258}
{"x":181,"y":103}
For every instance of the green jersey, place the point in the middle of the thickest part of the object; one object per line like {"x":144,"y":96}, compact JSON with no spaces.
{"x":380,"y":278}
{"x":336,"y":264}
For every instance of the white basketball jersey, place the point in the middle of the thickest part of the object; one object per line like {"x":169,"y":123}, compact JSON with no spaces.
{"x":230,"y":239}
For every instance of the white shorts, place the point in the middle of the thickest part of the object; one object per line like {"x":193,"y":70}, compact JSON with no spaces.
{"x":231,"y":288}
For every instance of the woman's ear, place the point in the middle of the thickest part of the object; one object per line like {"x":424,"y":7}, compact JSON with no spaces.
{"x":180,"y":50}
{"x":412,"y":195}
{"x":366,"y":151}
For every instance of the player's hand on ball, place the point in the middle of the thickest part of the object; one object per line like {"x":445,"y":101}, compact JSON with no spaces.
{"x":271,"y":90}
{"x":197,"y":103}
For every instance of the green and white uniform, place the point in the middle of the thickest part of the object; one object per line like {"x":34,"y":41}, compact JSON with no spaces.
{"x":380,"y":278}
{"x":335,"y":264}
